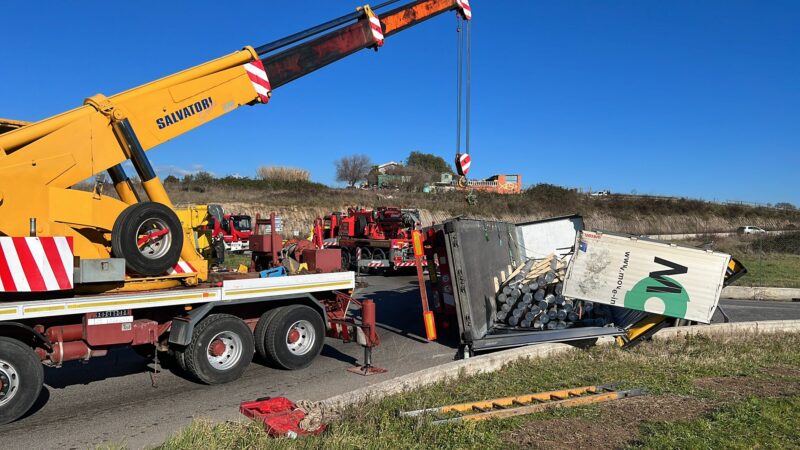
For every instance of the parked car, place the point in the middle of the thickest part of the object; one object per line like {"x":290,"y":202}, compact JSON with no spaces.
{"x":750,"y":230}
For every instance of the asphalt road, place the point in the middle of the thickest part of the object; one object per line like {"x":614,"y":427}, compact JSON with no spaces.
{"x":111,"y":400}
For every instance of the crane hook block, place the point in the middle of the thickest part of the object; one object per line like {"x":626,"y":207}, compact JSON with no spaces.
{"x":465,"y":9}
{"x":463,"y":161}
{"x":374,"y":25}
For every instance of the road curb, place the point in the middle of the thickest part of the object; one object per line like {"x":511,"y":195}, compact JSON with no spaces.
{"x":731,"y":329}
{"x":474,"y":365}
{"x":495,"y":361}
{"x":761,"y":293}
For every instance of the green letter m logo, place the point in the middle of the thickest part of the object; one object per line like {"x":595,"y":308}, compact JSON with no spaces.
{"x":660,"y":288}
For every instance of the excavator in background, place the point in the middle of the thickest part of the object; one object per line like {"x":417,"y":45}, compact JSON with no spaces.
{"x":84,"y":272}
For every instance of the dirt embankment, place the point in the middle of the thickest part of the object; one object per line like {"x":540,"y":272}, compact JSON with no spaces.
{"x":301,"y":218}
{"x":299,"y":203}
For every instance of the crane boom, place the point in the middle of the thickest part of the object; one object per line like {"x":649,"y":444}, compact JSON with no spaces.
{"x":315,"y":54}
{"x":39,"y":162}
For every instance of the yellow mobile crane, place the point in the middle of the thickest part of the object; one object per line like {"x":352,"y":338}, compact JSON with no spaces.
{"x":39,"y":162}
{"x":211,"y":328}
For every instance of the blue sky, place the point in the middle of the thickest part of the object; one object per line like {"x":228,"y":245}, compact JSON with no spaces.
{"x":689,"y":98}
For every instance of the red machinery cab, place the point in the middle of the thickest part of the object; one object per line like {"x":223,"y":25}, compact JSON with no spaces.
{"x":235,"y":229}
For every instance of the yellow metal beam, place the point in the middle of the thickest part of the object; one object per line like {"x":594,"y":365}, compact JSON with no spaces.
{"x":512,"y":401}
{"x":530,"y":409}
{"x":640,"y":329}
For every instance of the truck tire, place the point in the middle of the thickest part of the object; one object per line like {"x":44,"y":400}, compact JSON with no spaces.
{"x":21,"y":379}
{"x":178,"y":356}
{"x":346,"y":259}
{"x":221,"y":349}
{"x":295,"y":336}
{"x":260,"y":333}
{"x":160,"y":253}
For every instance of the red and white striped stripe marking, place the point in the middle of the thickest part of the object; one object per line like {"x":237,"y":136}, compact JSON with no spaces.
{"x":258,"y":77}
{"x":330,"y":242}
{"x":340,"y":331}
{"x":375,"y":264}
{"x":377,"y":30}
{"x":36,"y":264}
{"x":464,"y":161}
{"x":182,"y":267}
{"x":466,"y":11}
{"x":405,"y":264}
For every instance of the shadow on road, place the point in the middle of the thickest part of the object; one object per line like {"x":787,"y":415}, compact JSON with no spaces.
{"x":400,"y":312}
{"x":331,"y":352}
{"x":119,"y":363}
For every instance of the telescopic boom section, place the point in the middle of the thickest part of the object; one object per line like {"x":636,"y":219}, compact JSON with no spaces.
{"x":305,"y":58}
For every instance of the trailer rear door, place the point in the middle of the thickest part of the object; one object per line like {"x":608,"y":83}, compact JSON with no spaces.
{"x":481,"y":254}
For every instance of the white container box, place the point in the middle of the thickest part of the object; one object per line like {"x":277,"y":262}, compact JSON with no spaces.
{"x":646,"y":275}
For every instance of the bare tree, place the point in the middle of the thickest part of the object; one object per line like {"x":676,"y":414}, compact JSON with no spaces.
{"x":352,"y":169}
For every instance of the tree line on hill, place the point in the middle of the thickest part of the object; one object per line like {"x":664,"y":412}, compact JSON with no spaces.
{"x":419,"y":169}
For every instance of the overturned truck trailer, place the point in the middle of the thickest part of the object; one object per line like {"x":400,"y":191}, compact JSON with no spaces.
{"x":475,"y":258}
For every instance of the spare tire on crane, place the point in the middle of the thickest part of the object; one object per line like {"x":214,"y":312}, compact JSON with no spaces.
{"x":361,"y":226}
{"x":150,"y":238}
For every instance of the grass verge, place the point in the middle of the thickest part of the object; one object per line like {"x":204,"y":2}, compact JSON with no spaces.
{"x":234,"y":260}
{"x":753,"y":423}
{"x":773,"y":270}
{"x":701,"y":392}
{"x":771,"y":260}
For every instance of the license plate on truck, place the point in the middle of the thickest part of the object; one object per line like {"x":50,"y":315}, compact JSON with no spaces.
{"x":646,"y":275}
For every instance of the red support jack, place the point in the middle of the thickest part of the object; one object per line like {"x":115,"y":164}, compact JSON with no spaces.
{"x":367,"y":335}
{"x":366,"y":332}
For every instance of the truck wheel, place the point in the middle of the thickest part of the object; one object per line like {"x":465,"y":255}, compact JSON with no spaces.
{"x":149,"y":236}
{"x":294,"y":337}
{"x":345,"y":259}
{"x":21,"y":379}
{"x":220,"y":350}
{"x":260,"y":333}
{"x":178,"y":356}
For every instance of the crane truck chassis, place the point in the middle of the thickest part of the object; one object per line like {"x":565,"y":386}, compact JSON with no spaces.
{"x":83,"y":272}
